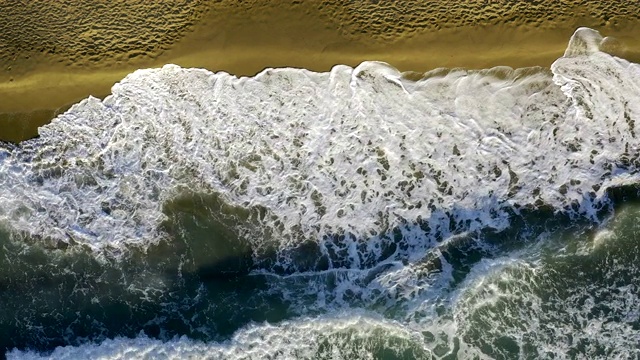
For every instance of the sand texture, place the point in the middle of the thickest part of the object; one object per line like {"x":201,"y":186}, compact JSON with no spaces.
{"x":54,"y":53}
{"x":95,"y":33}
{"x":389,"y":20}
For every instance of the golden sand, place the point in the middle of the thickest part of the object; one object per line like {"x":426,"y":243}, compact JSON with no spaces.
{"x":54,"y":53}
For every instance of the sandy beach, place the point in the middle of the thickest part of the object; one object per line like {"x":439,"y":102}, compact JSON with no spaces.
{"x":329,"y":207}
{"x":72,"y":49}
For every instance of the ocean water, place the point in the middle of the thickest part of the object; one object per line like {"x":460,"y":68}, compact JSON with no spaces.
{"x":353,"y":214}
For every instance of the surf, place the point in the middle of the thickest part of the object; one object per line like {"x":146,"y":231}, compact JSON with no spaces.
{"x":319,"y":193}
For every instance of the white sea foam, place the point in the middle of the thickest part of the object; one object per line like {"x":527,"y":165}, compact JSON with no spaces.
{"x":549,"y":313}
{"x":343,"y":337}
{"x":357,"y":151}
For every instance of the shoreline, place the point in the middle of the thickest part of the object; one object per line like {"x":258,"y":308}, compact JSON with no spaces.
{"x":244,"y":41}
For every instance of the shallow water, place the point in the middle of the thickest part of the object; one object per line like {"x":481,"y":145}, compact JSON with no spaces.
{"x":349,"y":214}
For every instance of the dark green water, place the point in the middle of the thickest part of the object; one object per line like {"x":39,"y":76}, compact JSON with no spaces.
{"x":551,"y":283}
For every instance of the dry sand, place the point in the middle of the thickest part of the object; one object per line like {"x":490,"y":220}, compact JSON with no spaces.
{"x":54,"y":53}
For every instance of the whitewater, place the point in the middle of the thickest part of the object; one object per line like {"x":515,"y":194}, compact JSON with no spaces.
{"x":350,"y":214}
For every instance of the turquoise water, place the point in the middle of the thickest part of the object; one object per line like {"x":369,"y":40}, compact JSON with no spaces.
{"x":353,"y":214}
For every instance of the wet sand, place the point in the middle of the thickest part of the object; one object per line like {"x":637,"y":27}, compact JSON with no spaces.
{"x":54,"y":53}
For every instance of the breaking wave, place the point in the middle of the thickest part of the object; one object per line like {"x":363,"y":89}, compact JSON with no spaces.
{"x":354,"y":213}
